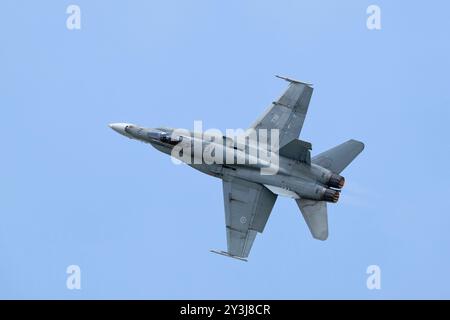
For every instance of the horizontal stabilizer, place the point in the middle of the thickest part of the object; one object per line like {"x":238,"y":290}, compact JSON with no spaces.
{"x":316,"y":217}
{"x":338,"y":158}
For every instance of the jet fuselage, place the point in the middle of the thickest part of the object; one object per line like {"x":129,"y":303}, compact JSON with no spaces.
{"x":286,"y":177}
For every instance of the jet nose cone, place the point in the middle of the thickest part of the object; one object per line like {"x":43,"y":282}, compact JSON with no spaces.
{"x":118,"y":127}
{"x":122,"y":128}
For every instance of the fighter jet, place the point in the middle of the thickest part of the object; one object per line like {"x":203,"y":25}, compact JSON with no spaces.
{"x":249,"y":195}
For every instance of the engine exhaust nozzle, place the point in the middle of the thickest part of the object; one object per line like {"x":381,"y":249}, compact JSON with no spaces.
{"x":336,"y":181}
{"x":331,"y":195}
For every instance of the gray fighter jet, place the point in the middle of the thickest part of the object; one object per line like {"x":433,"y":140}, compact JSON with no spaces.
{"x":250,"y":195}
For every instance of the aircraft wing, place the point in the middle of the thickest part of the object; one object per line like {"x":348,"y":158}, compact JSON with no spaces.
{"x":247,"y":209}
{"x":288,"y":113}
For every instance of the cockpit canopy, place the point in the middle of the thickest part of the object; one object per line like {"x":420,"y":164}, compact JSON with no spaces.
{"x":164,"y":137}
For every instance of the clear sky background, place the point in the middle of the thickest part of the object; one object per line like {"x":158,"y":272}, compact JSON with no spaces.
{"x":72,"y":191}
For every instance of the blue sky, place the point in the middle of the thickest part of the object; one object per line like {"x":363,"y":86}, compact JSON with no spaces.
{"x":75,"y":192}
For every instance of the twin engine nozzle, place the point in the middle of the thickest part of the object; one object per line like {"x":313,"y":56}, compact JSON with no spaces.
{"x":336,"y":182}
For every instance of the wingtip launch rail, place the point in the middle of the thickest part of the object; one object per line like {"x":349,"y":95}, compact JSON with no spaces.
{"x":294,"y":81}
